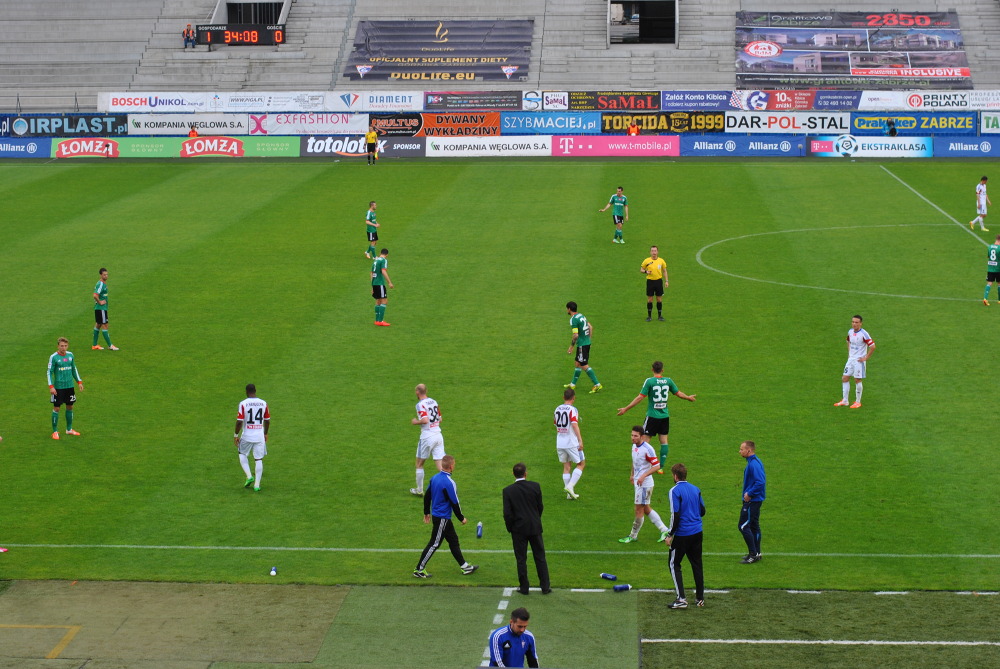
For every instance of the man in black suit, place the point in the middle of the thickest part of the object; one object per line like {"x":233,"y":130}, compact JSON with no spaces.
{"x":522,"y":512}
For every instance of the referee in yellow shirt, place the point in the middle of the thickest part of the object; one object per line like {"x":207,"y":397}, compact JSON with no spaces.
{"x":655,"y":269}
{"x":371,"y":139}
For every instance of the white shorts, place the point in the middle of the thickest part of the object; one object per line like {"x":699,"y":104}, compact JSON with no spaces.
{"x":981,"y":208}
{"x":574,"y":455}
{"x":431,"y":446}
{"x":259,"y":448}
{"x":855,"y":368}
{"x":643,"y":494}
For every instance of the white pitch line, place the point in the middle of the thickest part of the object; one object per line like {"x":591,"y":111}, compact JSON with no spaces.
{"x":892,"y":592}
{"x":804,"y":592}
{"x":974,"y":592}
{"x":618,"y":553}
{"x":698,"y":257}
{"x":942,"y":211}
{"x":827,"y":642}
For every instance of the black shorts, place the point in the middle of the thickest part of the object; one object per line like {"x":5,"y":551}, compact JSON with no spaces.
{"x":101,"y":316}
{"x":617,"y":220}
{"x":653,"y":426}
{"x":372,"y":146}
{"x":373,"y":236}
{"x":654,"y":287}
{"x":583,"y":354}
{"x":993,"y":276}
{"x":65,"y":396}
{"x":378,"y":292}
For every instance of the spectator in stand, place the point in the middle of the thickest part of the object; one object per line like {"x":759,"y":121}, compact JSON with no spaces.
{"x":633,"y":129}
{"x":194,"y":131}
{"x":188,"y":34}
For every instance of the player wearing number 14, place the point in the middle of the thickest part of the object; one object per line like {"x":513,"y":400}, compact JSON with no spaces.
{"x":252,"y":424}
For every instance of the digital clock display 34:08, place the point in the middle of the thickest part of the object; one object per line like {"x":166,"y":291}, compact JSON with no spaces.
{"x":241,"y":35}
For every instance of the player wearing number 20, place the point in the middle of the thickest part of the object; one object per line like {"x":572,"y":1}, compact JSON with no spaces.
{"x":569,"y":442}
{"x":431,"y":444}
{"x":657,"y":389}
{"x":252,"y":424}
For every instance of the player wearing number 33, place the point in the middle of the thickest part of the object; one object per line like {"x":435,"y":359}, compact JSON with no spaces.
{"x":431,"y":444}
{"x":250,"y":435}
{"x":658,"y":389}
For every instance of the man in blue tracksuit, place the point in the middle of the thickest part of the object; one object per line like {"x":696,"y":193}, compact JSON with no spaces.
{"x":512,"y":644}
{"x":684,"y":535}
{"x":753,"y":497}
{"x":440,"y":500}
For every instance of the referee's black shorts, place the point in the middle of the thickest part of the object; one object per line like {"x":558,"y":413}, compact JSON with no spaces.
{"x":654,"y":287}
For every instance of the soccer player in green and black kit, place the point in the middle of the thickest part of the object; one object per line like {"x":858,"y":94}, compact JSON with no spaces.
{"x":371,"y":227}
{"x":618,"y":214}
{"x":581,"y":341}
{"x":101,"y":311}
{"x":62,"y":373}
{"x":380,"y":277}
{"x":658,"y":389}
{"x":992,"y":270}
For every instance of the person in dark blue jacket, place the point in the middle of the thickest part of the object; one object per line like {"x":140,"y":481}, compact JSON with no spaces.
{"x":753,"y":497}
{"x":684,"y":536}
{"x":440,"y":500}
{"x":512,"y":644}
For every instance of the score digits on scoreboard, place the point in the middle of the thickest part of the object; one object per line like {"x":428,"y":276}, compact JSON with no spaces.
{"x":241,"y":35}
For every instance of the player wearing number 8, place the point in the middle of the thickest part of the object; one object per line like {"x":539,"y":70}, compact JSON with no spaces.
{"x":657,"y":389}
{"x":252,"y":424}
{"x":992,"y":270}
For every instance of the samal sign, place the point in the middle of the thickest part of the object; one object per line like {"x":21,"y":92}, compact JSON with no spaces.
{"x":441,"y":50}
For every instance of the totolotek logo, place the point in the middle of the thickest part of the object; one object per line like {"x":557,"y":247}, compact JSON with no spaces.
{"x":344,"y":146}
{"x":212,"y":146}
{"x":87,"y":146}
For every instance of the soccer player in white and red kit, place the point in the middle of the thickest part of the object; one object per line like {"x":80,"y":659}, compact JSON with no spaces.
{"x":859,"y":348}
{"x":644,"y":463}
{"x":569,"y":442}
{"x":982,"y":200}
{"x":431,"y":444}
{"x":252,"y":423}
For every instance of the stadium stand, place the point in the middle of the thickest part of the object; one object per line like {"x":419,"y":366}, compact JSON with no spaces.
{"x":58,"y":54}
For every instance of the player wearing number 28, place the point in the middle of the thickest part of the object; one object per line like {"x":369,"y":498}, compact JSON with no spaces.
{"x":250,"y":436}
{"x":657,"y":389}
{"x":431,"y":444}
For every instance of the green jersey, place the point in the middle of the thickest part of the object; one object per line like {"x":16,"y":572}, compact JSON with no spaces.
{"x":381,"y":263}
{"x":101,"y":290}
{"x":62,"y":370}
{"x":657,"y":390}
{"x":993,"y":258}
{"x":581,"y":328}
{"x":371,"y":222}
{"x":618,"y":204}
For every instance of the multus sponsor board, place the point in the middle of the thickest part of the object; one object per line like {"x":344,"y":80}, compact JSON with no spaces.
{"x":350,"y":147}
{"x":849,"y":146}
{"x":664,"y":122}
{"x":914,"y":123}
{"x":63,"y":125}
{"x":743,"y":146}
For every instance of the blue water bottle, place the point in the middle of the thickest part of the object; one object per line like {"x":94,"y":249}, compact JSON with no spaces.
{"x":609,"y":577}
{"x":623,"y":587}
{"x":479,"y":530}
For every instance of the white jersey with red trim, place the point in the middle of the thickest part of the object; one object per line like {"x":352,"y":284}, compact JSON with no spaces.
{"x":429,"y":409}
{"x":981,"y":194}
{"x":643,"y":459}
{"x":253,"y":412}
{"x":859,"y":342}
{"x":565,"y":417}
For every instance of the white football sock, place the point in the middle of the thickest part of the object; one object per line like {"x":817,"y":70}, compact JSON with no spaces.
{"x":636,"y":526}
{"x":420,"y":479}
{"x":654,"y":518}
{"x":245,"y":464}
{"x":858,"y":389}
{"x":259,"y":469}
{"x":847,"y":389}
{"x":575,"y":477}
{"x":566,"y":478}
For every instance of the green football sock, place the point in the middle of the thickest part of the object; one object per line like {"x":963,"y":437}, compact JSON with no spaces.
{"x":69,"y":419}
{"x":371,"y":250}
{"x":664,"y":452}
{"x":986,"y":295}
{"x":97,"y":332}
{"x":593,"y":377}
{"x":55,"y":421}
{"x":107,"y":336}
{"x":576,"y":375}
{"x":380,"y":313}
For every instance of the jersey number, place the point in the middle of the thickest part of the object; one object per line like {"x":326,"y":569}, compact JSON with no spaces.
{"x":258,"y":418}
{"x":434,"y":415}
{"x":562,"y":419}
{"x":660,"y":393}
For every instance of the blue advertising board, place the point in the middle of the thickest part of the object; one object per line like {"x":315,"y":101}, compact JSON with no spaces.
{"x":14,"y":147}
{"x":742,"y":145}
{"x":64,"y":125}
{"x":967,"y":147}
{"x":836,"y":100}
{"x":694,"y":100}
{"x":914,"y":123}
{"x":549,"y":123}
{"x":850,"y":146}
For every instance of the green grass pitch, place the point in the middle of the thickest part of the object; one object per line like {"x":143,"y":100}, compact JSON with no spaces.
{"x":227,"y":273}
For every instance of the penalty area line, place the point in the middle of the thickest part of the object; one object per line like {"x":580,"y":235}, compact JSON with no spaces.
{"x":826,"y":642}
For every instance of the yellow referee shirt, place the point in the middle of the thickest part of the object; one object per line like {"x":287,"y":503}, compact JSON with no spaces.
{"x":655,"y":269}
{"x":371,"y":137}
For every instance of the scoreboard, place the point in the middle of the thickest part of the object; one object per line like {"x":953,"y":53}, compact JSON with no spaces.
{"x":245,"y":34}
